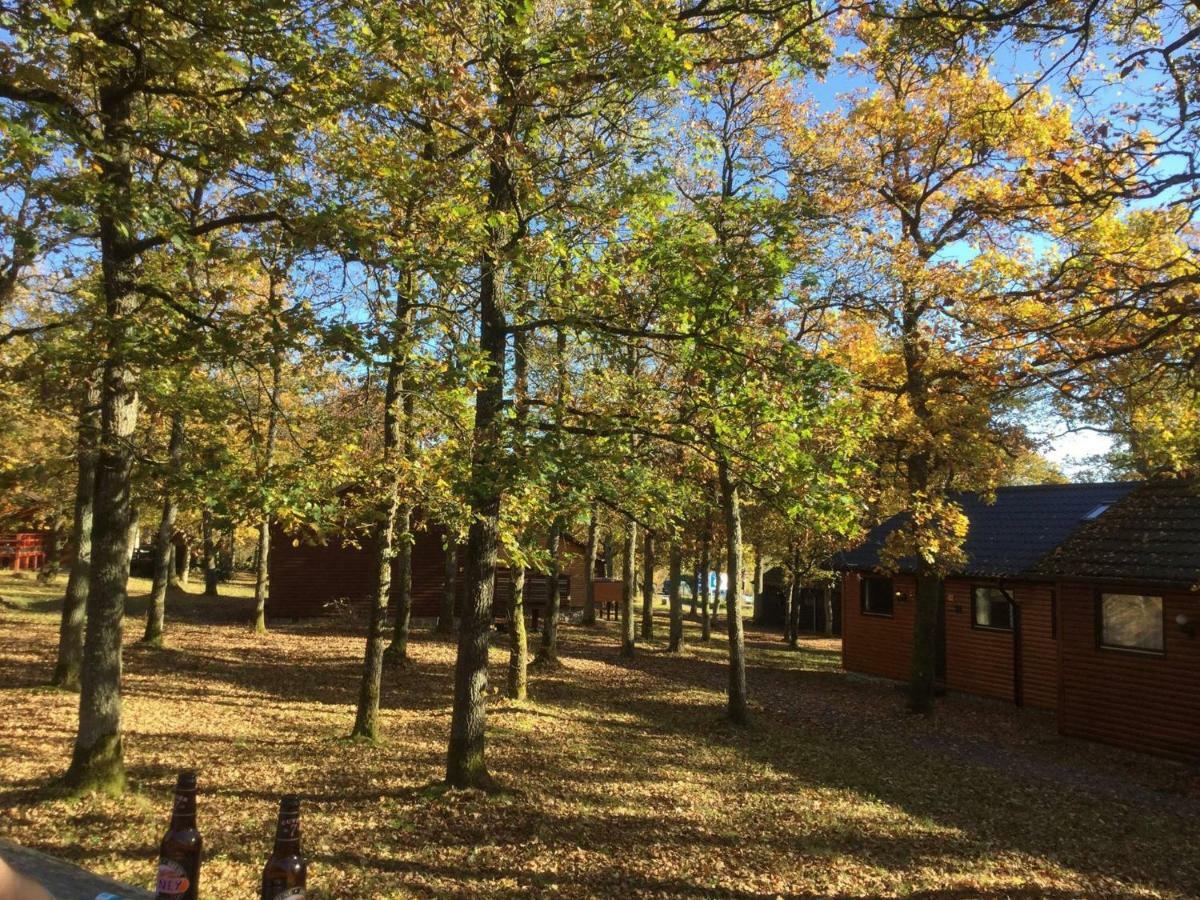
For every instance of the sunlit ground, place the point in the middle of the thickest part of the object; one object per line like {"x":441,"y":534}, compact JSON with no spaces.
{"x":622,"y":779}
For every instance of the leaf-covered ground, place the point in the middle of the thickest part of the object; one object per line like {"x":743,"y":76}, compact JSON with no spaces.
{"x":622,"y":780}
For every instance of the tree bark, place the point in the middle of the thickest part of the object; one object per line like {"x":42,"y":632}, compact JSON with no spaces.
{"x":548,"y":653}
{"x":694,"y":587}
{"x":648,"y":587}
{"x":366,"y":718}
{"x":518,"y":657}
{"x":628,"y":587}
{"x":675,"y":578}
{"x":737,"y":711}
{"x":262,"y":568}
{"x":758,"y":579}
{"x":97,"y":762}
{"x":828,"y":598}
{"x":183,"y":563}
{"x":924,"y":658}
{"x":795,"y":593}
{"x":465,"y":761}
{"x":70,"y":633}
{"x":589,"y":573}
{"x":445,"y":622}
{"x":705,"y":564}
{"x":156,"y":612}
{"x":210,"y":553}
{"x":397,"y":652}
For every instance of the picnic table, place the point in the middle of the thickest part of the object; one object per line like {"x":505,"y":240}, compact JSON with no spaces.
{"x":65,"y":881}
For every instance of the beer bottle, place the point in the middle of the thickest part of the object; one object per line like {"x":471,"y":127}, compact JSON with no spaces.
{"x":179,"y":855}
{"x":286,"y":871}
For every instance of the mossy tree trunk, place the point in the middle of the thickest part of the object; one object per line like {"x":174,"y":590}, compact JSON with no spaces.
{"x":97,"y":761}
{"x":74,"y":611}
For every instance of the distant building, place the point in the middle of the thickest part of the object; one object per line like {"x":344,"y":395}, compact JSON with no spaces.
{"x":1081,"y":598}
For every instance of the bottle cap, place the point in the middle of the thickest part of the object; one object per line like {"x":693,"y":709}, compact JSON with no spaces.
{"x":290,"y":802}
{"x":186,"y":781}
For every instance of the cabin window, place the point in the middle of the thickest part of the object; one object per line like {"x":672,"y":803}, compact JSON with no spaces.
{"x":877,"y":596}
{"x":992,"y":608}
{"x":1131,"y":622}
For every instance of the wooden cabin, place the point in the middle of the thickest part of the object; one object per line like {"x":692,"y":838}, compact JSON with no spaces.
{"x":1078,"y":598}
{"x":310,"y":577}
{"x":24,"y":551}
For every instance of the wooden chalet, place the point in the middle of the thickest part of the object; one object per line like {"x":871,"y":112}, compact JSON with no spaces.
{"x":1078,"y":598}
{"x":309,"y":577}
{"x":24,"y":551}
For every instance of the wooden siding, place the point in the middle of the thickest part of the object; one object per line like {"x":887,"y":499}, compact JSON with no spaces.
{"x":23,"y":550}
{"x":978,"y":661}
{"x":1141,"y":701}
{"x":309,"y":579}
{"x":878,"y":645}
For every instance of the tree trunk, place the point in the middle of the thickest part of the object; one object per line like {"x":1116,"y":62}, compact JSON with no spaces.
{"x":445,"y":622}
{"x":675,"y":579}
{"x":705,"y":564}
{"x":737,"y":645}
{"x":70,"y":633}
{"x":518,"y":657}
{"x":694,"y":590}
{"x":548,"y":653}
{"x":758,"y":580}
{"x":98,"y":761}
{"x":52,"y":562}
{"x":366,"y":718}
{"x":628,"y":587}
{"x":796,"y":591}
{"x":183,"y":563}
{"x":648,"y":587}
{"x":715,"y":606}
{"x":397,"y":652}
{"x":465,"y":762}
{"x":589,"y":573}
{"x":828,"y":598}
{"x":924,"y":657}
{"x":156,"y":612}
{"x":210,"y":554}
{"x":262,"y":568}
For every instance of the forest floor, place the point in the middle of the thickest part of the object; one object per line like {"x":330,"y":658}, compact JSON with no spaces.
{"x":621,"y":777}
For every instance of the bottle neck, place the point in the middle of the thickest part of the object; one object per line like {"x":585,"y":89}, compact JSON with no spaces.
{"x":183,"y":815}
{"x":287,"y":833}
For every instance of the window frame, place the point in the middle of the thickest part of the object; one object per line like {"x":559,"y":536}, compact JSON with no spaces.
{"x":1098,"y":607}
{"x":862,"y":596}
{"x":1007,"y":629}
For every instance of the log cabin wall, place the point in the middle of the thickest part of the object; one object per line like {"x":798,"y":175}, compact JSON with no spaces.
{"x":981,"y":660}
{"x":875,"y":644}
{"x":1136,"y":699}
{"x":310,"y":579}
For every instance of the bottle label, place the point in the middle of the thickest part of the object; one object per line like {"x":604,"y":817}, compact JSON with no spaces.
{"x":172,"y":879}
{"x":288,"y":828}
{"x":294,"y":893}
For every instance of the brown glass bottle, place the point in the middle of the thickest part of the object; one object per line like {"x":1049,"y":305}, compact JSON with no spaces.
{"x":179,"y":855}
{"x":287,"y":870}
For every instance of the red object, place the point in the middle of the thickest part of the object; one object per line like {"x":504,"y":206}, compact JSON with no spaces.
{"x":23,"y":550}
